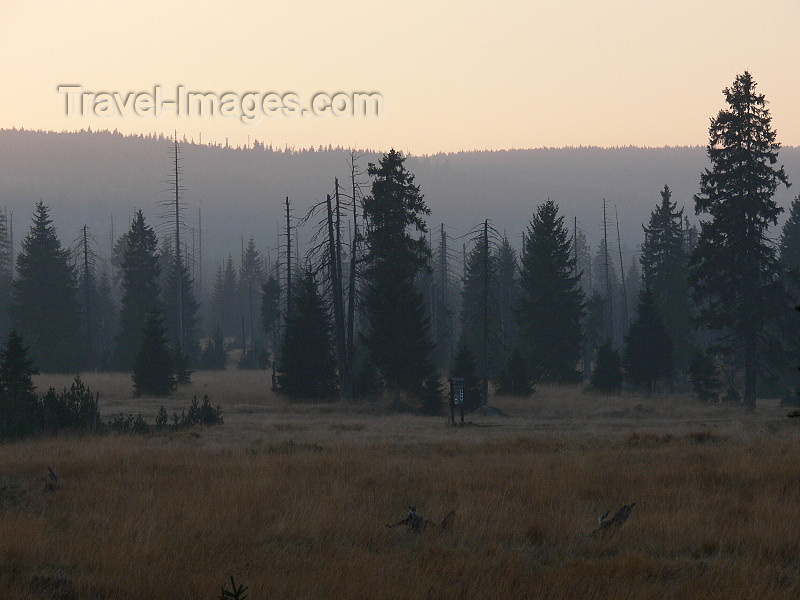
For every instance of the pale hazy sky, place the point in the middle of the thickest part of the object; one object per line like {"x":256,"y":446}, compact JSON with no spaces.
{"x":453,"y":75}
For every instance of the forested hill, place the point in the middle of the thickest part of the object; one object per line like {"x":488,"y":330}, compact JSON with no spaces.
{"x":87,"y":177}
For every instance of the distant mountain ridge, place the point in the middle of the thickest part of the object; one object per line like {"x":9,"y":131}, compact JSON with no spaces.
{"x":89,"y":177}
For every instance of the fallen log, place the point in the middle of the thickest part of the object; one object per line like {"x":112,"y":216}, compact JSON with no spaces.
{"x":606,"y":525}
{"x":415,"y":522}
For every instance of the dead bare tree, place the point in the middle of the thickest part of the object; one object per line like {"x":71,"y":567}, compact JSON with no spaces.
{"x":334,"y":263}
{"x":622,"y":277}
{"x":288,"y":260}
{"x":352,"y":283}
{"x":486,"y":240}
{"x":171,"y":222}
{"x":80,"y":249}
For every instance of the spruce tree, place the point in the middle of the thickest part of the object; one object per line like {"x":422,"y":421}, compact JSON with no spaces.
{"x":308,"y":367}
{"x":790,"y":245}
{"x":508,"y":276}
{"x":648,"y":347}
{"x":184,"y":342}
{"x":107,"y":319}
{"x":397,"y":329}
{"x":664,"y":270}
{"x":690,"y":237}
{"x":633,"y":285}
{"x":703,"y":375}
{"x":482,"y":274}
{"x":187,"y":342}
{"x":97,"y":306}
{"x":214,"y":314}
{"x":224,"y":300}
{"x":607,"y":375}
{"x":432,"y":395}
{"x":610,"y":290}
{"x":166,"y":260}
{"x":117,"y":258}
{"x":87,"y":300}
{"x":593,"y":330}
{"x":44,"y":306}
{"x":785,"y":373}
{"x":271,"y":310}
{"x":515,"y":379}
{"x":739,"y":294}
{"x":251,"y":278}
{"x":551,"y":300}
{"x":18,"y":401}
{"x":140,"y":273}
{"x":214,"y":357}
{"x":584,"y":263}
{"x":366,"y":378}
{"x":154,"y":367}
{"x":490,"y":281}
{"x":583,"y":266}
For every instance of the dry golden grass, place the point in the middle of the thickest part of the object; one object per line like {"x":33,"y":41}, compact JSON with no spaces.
{"x":293,"y":501}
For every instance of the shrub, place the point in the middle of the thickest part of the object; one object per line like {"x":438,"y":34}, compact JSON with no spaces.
{"x":129,"y":424}
{"x":204,"y":414}
{"x":161,"y":418}
{"x":23,"y":413}
{"x":199,"y":414}
{"x":74,"y":408}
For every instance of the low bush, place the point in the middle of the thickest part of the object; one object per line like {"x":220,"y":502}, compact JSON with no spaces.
{"x":198,"y":414}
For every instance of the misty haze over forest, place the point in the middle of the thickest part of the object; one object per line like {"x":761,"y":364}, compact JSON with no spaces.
{"x":486,"y":300}
{"x":88,"y":177}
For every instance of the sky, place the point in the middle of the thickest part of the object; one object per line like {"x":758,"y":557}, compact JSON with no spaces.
{"x":452,"y":75}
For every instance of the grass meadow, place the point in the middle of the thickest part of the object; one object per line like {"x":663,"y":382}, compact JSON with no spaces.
{"x":293,"y":500}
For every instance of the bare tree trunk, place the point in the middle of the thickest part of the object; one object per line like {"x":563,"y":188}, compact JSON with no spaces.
{"x":345,"y":388}
{"x":87,"y":298}
{"x":609,"y":301}
{"x":486,"y":313}
{"x":351,"y":289}
{"x":443,"y":306}
{"x":622,"y":278}
{"x":178,"y":292}
{"x":288,"y":261}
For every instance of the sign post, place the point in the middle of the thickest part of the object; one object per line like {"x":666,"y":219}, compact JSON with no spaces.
{"x":457,"y":397}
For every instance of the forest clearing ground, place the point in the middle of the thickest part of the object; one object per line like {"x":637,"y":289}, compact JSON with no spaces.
{"x":292,"y":500}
